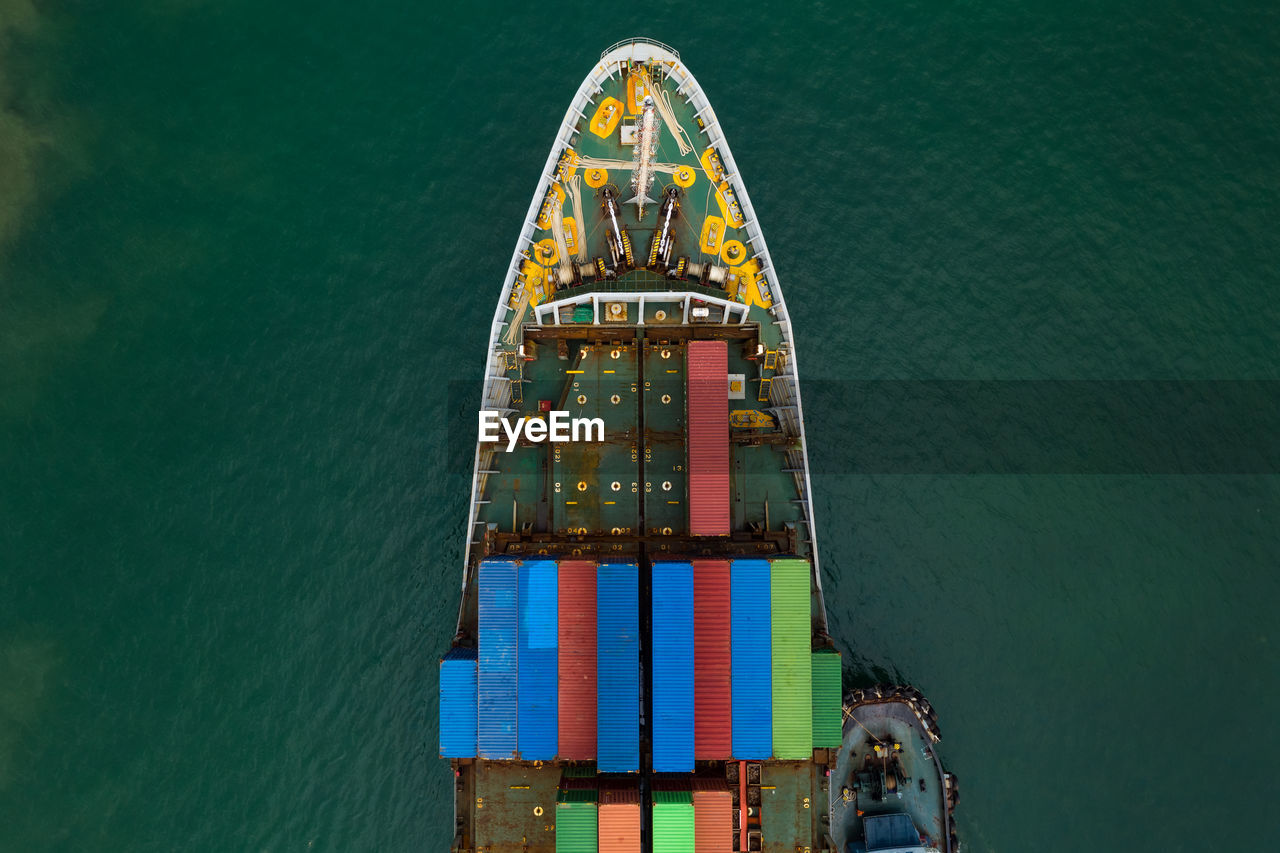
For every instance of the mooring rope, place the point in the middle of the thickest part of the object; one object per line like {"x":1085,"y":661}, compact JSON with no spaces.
{"x":573,"y":187}
{"x":663,"y":103}
{"x":557,"y":231}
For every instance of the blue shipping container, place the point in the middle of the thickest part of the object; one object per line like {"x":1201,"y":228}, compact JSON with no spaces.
{"x":673,"y":667}
{"x":618,"y":668}
{"x":458,"y":704}
{"x":538,"y":728}
{"x":496,"y":676}
{"x":752,"y":660}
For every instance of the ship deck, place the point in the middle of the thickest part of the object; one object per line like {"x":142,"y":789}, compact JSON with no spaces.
{"x":710,"y":228}
{"x":793,"y":806}
{"x":633,"y":379}
{"x":515,"y":806}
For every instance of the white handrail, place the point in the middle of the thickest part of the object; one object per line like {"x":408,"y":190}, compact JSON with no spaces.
{"x":640,"y":40}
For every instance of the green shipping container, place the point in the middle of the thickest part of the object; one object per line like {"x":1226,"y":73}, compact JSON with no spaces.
{"x":792,"y":659}
{"x":672,"y":822}
{"x":576,"y":822}
{"x":828,"y":705}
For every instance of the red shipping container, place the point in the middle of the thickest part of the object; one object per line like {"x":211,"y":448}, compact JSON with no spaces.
{"x":712,"y":816}
{"x":707,"y":404}
{"x":712,"y":662}
{"x":577,"y":660}
{"x":619,"y":820}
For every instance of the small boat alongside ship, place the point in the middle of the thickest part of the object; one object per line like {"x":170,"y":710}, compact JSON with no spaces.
{"x":641,"y":660}
{"x":890,"y":791}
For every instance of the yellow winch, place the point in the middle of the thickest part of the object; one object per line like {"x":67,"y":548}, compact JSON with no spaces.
{"x":750,"y":419}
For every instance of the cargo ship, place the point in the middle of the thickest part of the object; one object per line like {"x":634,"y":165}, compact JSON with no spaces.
{"x":642,"y":660}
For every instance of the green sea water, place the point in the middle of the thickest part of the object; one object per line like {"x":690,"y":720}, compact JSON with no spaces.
{"x":248,"y":251}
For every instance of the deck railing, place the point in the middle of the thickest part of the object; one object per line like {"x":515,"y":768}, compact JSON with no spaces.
{"x":640,"y":40}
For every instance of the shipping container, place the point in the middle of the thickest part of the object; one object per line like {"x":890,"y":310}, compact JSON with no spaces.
{"x":672,"y":656}
{"x":673,"y":824}
{"x":752,"y":660}
{"x":579,"y":777}
{"x":707,"y":403}
{"x":619,"y":819}
{"x":712,"y":661}
{"x":828,"y":700}
{"x":712,"y":816}
{"x":458,"y":703}
{"x":577,"y":660}
{"x":792,"y":659}
{"x":498,"y":660}
{"x":617,"y":668}
{"x":576,"y":822}
{"x":538,"y":722}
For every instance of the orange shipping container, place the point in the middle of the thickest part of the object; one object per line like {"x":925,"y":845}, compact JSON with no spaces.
{"x":619,"y":820}
{"x":712,"y":817}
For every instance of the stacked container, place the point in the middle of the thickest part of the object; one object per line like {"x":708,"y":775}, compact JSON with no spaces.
{"x":496,"y":711}
{"x":752,"y":660}
{"x":712,"y":661}
{"x":673,"y":824}
{"x":537,"y":725}
{"x":827,"y":700}
{"x":576,"y":821}
{"x":712,"y":816}
{"x":707,"y":401}
{"x":577,"y":660}
{"x":673,"y":725}
{"x":619,"y":819}
{"x":792,"y":660}
{"x":617,"y":668}
{"x":458,"y":704}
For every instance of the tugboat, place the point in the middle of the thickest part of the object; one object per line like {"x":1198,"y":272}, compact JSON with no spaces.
{"x":641,"y":660}
{"x":891,"y":792}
